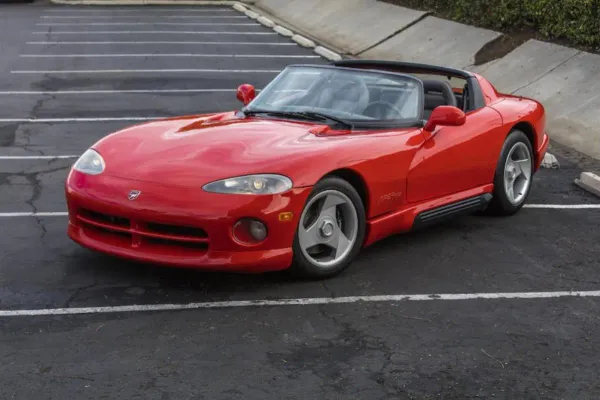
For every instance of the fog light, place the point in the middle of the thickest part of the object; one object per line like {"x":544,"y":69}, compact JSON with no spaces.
{"x":249,"y":231}
{"x":258,"y":230}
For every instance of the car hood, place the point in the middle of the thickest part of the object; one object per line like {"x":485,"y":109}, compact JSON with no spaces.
{"x":192,"y":151}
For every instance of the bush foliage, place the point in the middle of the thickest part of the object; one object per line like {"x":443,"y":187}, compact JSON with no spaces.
{"x":575,"y":20}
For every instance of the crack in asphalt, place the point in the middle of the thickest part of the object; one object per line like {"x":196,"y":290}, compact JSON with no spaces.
{"x":35,"y":182}
{"x":77,"y":292}
{"x":8,"y":135}
{"x":329,"y":290}
{"x":27,"y":135}
{"x":33,"y":179}
{"x":359,"y":340}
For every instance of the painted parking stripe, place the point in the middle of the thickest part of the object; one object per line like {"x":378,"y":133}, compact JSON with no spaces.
{"x":165,"y":42}
{"x":55,"y":120}
{"x":146,"y":55}
{"x":157,"y":32}
{"x":137,"y":10}
{"x":153,"y":23}
{"x":33,"y":214}
{"x":141,"y":71}
{"x":159,"y":17}
{"x":146,"y":17}
{"x":40,"y":157}
{"x":563,"y":206}
{"x":532,"y":206}
{"x":131,"y":91}
{"x":300,"y":302}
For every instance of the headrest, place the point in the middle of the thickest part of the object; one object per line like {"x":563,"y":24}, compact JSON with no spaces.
{"x":443,"y":87}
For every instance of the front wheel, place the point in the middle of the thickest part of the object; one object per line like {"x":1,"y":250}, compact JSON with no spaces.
{"x":330,"y":231}
{"x":514,"y":174}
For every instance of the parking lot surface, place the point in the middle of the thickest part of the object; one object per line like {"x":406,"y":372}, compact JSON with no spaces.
{"x":71,"y":75}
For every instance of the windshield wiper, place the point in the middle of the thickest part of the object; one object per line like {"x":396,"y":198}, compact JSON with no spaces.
{"x":309,"y":115}
{"x":325,"y":117}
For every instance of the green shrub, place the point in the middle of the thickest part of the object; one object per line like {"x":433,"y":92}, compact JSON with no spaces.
{"x":575,"y":20}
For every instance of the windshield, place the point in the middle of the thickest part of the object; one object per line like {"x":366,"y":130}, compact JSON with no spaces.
{"x":351,"y":94}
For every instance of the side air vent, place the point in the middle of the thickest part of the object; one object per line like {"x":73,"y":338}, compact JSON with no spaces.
{"x":438,"y":214}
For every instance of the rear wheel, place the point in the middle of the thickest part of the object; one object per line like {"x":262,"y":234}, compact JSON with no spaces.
{"x":331,"y":230}
{"x":514,"y":174}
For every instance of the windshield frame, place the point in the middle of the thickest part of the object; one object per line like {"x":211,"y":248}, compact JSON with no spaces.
{"x":357,"y":123}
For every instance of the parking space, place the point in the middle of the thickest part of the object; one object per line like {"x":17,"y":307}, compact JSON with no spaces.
{"x":71,"y":75}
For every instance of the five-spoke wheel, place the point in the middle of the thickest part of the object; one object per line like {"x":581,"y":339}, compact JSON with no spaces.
{"x":517,"y":173}
{"x":330,"y":230}
{"x":514,"y":173}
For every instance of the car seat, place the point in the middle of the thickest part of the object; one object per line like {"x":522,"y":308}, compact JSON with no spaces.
{"x":437,"y":93}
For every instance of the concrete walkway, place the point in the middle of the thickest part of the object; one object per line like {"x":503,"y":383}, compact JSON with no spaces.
{"x":566,"y":81}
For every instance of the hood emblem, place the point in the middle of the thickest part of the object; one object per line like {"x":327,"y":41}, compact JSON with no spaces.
{"x":134,"y":194}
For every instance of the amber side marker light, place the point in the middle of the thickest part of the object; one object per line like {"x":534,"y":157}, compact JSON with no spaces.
{"x":286,"y":216}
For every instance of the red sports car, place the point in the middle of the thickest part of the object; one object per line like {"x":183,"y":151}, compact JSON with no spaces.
{"x":326,"y":160}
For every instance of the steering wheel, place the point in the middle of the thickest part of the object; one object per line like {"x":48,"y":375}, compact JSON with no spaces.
{"x":386,"y":106}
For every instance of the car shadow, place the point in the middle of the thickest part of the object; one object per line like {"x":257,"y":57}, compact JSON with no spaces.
{"x":117,"y":281}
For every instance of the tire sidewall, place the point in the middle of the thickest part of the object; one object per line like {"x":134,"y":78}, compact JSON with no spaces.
{"x":503,"y":204}
{"x":301,"y":266}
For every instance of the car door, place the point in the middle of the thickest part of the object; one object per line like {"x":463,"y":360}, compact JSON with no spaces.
{"x":456,"y":158}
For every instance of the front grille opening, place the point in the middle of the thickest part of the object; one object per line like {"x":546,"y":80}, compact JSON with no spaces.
{"x":103,"y":230}
{"x":104,"y":218}
{"x":176,"y":230}
{"x":171,"y":243}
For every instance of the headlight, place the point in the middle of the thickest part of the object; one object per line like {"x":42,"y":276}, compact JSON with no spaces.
{"x":90,"y":163}
{"x":251,"y":184}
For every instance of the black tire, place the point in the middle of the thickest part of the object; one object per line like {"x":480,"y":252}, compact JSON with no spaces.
{"x":301,"y":265}
{"x":500,"y":204}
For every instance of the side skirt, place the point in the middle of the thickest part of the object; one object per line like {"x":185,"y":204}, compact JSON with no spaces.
{"x":442,"y":213}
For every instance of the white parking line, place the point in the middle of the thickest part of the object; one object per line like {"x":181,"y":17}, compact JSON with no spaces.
{"x":147,"y":17}
{"x":33,"y":214}
{"x":146,"y":55}
{"x":51,"y":120}
{"x":151,"y":32}
{"x":140,"y":71}
{"x":167,"y":42}
{"x":133,"y":91}
{"x":138,"y":10}
{"x":37,"y":157}
{"x":538,"y":206}
{"x":151,"y":23}
{"x":301,"y":302}
{"x":563,"y":206}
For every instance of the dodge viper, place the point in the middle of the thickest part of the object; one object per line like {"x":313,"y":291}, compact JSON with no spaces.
{"x":325,"y":161}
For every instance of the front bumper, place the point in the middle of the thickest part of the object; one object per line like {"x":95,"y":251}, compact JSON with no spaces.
{"x":541,"y":151}
{"x":181,"y":227}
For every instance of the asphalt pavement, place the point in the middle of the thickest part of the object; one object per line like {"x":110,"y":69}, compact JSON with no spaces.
{"x":71,"y":75}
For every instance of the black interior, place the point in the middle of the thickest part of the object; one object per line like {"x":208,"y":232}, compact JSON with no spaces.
{"x":439,"y":93}
{"x":379,"y":100}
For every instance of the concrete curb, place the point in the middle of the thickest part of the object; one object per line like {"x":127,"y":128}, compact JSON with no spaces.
{"x":145,"y":2}
{"x":328,"y":54}
{"x":589,"y":182}
{"x":266,"y":22}
{"x":283,"y":31}
{"x":302,"y":41}
{"x":251,"y":14}
{"x":242,"y":8}
{"x":550,"y":162}
{"x":239,"y":7}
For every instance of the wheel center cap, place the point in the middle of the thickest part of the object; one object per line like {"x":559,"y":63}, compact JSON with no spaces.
{"x":326,"y":229}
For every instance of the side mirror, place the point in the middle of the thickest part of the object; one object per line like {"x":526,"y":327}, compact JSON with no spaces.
{"x":246,"y":93}
{"x":445,"y":116}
